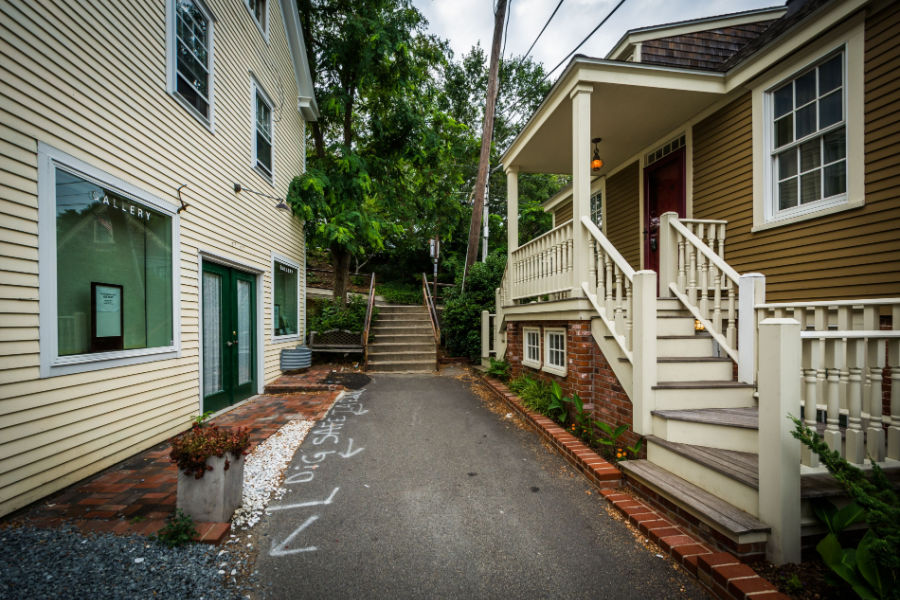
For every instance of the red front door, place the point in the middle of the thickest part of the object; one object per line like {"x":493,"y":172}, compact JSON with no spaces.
{"x":663,"y":192}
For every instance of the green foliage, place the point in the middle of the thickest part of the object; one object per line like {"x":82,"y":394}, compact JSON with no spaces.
{"x":535,"y":394}
{"x":872,"y":568}
{"x":330,"y":315}
{"x":178,"y":531}
{"x":499,"y":369}
{"x":461,"y":319}
{"x":191,"y":449}
{"x":201,"y":419}
{"x":400,"y":293}
{"x":556,"y":407}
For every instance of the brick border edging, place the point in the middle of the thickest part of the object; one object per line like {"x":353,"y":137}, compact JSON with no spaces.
{"x":721,"y":573}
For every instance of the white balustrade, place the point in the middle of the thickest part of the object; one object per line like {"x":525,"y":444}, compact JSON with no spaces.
{"x":543,"y":266}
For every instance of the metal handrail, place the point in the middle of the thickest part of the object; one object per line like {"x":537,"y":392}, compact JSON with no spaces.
{"x":370,"y":308}
{"x":432,"y":311}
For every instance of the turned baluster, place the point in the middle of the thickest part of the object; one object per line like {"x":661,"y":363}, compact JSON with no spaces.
{"x":893,"y":444}
{"x":609,"y":286}
{"x":628,"y":325}
{"x":721,"y":244}
{"x":681,"y":274}
{"x":811,"y":359}
{"x":855,"y":438}
{"x":875,"y":438}
{"x":731,"y":330}
{"x":704,"y":285}
{"x":592,"y":262}
{"x":843,"y":324}
{"x":692,"y":274}
{"x":832,"y":366}
{"x":820,"y":323}
{"x":618,"y":313}
{"x":601,"y":275}
{"x":717,"y":298}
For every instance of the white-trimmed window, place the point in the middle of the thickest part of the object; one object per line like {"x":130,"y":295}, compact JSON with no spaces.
{"x":809,"y":154}
{"x":259,"y":10}
{"x":107,"y":263}
{"x":555,"y":351}
{"x":285,"y":298}
{"x":190,"y":61}
{"x":262,"y":132}
{"x":597,"y":208}
{"x":531,"y":347}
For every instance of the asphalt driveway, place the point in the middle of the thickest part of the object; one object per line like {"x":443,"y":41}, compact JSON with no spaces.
{"x":413,"y":488}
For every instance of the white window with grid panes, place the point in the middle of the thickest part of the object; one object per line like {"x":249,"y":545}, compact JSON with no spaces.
{"x":597,"y":208}
{"x":531,"y":347}
{"x":262,"y":132}
{"x":190,"y":57}
{"x":555,"y":351}
{"x":260,"y":13}
{"x":808,"y":135}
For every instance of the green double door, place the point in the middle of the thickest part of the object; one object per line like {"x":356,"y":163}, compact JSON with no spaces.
{"x":229,"y":336}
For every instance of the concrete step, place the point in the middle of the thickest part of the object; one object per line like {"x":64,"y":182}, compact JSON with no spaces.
{"x":730,"y":476}
{"x":726,"y":428}
{"x":405,"y":338}
{"x":696,"y":368}
{"x":684,"y":345}
{"x":406,"y":366}
{"x":380,"y":356}
{"x":674,"y":325}
{"x":405,"y":327}
{"x":424,"y":346}
{"x":737,"y":529}
{"x":403,"y":318}
{"x":685,"y":395}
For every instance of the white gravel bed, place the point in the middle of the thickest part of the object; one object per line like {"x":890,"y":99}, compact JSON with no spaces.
{"x":264,"y":469}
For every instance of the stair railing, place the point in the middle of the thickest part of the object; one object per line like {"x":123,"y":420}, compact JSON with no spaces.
{"x":609,"y":287}
{"x":432,"y":311}
{"x":370,"y":308}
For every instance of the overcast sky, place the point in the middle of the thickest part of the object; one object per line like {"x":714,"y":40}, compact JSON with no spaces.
{"x":465,"y":22}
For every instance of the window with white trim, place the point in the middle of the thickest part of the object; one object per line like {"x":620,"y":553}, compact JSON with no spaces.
{"x":555,"y":351}
{"x":191,"y":56}
{"x":262,"y":132}
{"x":285,"y":298}
{"x":597,"y":208}
{"x":107,"y":269}
{"x":809,"y":138}
{"x":259,"y":10}
{"x":531,"y":347}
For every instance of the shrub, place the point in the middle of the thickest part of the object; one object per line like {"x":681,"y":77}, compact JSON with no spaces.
{"x":190,"y":450}
{"x":499,"y":369}
{"x":329,"y":314}
{"x":461,"y":319}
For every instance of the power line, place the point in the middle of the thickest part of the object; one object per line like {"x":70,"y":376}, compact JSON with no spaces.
{"x":531,"y":47}
{"x":593,"y":31}
{"x":506,"y":29}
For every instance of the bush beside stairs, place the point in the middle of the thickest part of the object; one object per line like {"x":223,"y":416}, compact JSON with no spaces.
{"x":403,"y":340}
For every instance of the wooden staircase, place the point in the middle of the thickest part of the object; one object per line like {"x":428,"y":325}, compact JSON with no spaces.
{"x":702,"y":460}
{"x":403,"y":340}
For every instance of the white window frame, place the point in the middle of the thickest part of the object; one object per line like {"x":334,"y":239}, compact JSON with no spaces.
{"x":279,"y":258}
{"x":51,"y":363}
{"x":264,"y":26}
{"x":172,"y":63}
{"x":526,"y":360}
{"x":549,"y":366}
{"x":850,"y":40}
{"x":257,"y":90}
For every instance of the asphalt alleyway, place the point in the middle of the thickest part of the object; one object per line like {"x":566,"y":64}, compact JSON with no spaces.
{"x":412,"y":488}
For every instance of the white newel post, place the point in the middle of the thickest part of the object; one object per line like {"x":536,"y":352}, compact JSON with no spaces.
{"x":751,"y":291}
{"x":668,"y":254}
{"x":581,"y":183}
{"x":644,"y":351}
{"x":512,"y":210}
{"x":485,"y":338}
{"x":779,"y":452}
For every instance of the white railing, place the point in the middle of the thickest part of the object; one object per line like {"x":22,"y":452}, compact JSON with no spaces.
{"x":543,"y":266}
{"x":842,"y":372}
{"x":609,"y":287}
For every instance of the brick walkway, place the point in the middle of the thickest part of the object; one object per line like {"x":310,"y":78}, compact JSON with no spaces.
{"x":136,"y":495}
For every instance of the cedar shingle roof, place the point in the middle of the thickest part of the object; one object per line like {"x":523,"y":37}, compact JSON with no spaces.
{"x":708,"y":49}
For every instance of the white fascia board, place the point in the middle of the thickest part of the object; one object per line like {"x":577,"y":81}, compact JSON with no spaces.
{"x":306,"y":102}
{"x":655,"y":32}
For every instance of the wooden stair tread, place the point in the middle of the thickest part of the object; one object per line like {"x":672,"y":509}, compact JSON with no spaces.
{"x":823,"y":485}
{"x":746,"y":418}
{"x":740,"y":466}
{"x":678,"y":359}
{"x":687,"y":385}
{"x":713,"y":511}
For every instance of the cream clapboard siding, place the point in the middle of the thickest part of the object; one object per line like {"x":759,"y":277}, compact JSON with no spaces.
{"x":89,"y":78}
{"x":622,"y":201}
{"x":852,"y":254}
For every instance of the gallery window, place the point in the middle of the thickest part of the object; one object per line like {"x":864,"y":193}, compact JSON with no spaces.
{"x":531,"y":341}
{"x":106,"y":263}
{"x":285,"y":298}
{"x":191,"y":56}
{"x":555,"y":351}
{"x":262,"y":133}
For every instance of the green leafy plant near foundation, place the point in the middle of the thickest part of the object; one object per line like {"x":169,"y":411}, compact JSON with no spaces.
{"x":872,"y":568}
{"x":190,"y":450}
{"x":499,"y":369}
{"x":179,"y":530}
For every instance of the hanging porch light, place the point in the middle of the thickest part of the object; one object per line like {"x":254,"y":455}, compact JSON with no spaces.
{"x":596,"y":161}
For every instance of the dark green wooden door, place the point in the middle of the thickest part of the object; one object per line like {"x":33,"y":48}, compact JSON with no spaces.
{"x":229,"y":336}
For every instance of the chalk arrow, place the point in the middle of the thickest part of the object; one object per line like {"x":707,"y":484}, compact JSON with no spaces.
{"x":282,"y":549}
{"x":350,"y":451}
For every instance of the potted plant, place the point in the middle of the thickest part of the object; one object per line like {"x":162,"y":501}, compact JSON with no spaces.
{"x":210,"y":471}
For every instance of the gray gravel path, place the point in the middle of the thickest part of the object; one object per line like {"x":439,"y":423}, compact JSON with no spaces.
{"x":62,"y":563}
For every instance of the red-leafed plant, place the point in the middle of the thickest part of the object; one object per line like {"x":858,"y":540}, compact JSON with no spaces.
{"x":191,"y":449}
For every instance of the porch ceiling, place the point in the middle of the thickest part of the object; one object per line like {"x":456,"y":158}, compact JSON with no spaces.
{"x":628,"y":116}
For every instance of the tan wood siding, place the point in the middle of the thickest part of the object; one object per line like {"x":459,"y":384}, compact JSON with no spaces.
{"x":623,"y":214}
{"x":851,"y":254}
{"x":563,"y":213}
{"x":65,"y":81}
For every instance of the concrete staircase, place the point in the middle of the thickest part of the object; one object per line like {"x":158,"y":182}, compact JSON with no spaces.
{"x":702,"y":462}
{"x":403,"y":340}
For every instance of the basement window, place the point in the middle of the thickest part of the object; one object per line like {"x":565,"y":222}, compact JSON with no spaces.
{"x":531,"y":347}
{"x":555,"y":351}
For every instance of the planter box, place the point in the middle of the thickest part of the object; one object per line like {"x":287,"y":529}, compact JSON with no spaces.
{"x":215,"y":496}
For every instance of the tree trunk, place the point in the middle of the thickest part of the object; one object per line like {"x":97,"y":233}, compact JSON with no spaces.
{"x":340,"y":261}
{"x":486,"y":132}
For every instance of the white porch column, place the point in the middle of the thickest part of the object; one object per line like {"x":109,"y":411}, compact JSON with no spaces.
{"x":779,"y":452}
{"x":512,"y":209}
{"x":581,"y":182}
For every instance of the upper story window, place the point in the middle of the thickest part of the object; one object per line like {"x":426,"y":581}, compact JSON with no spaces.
{"x":191,"y":56}
{"x":262,"y":132}
{"x":809,"y":137}
{"x":260,"y":12}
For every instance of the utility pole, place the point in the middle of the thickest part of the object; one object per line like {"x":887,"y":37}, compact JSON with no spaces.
{"x":486,"y":133}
